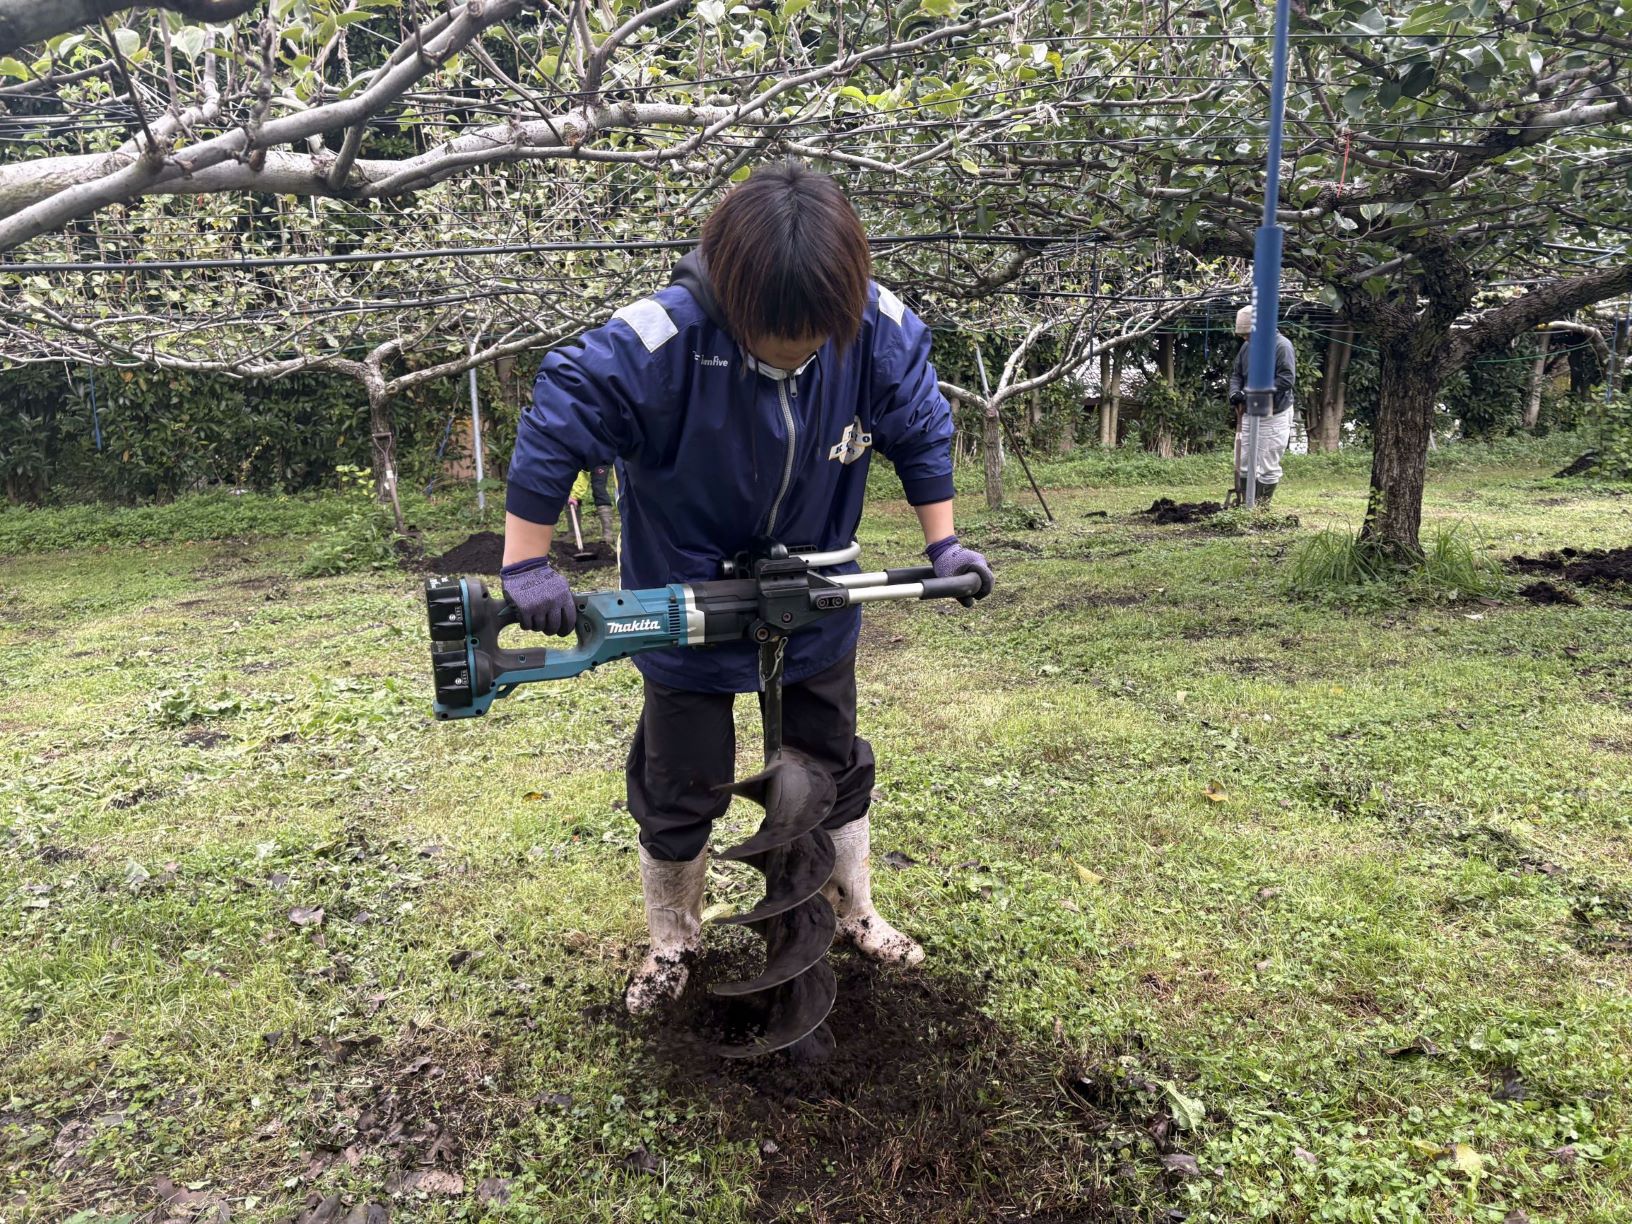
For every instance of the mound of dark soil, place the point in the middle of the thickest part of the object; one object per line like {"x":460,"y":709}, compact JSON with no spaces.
{"x":1166,"y":510}
{"x":1584,"y":567}
{"x":1544,"y":592}
{"x":483,"y":553}
{"x":1580,"y":467}
{"x":924,"y":1109}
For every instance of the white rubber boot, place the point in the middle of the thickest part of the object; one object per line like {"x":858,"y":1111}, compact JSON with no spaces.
{"x":674,"y":915}
{"x":850,"y":891}
{"x":604,"y":513}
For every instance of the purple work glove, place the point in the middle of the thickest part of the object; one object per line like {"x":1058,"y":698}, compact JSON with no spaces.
{"x":541,"y":596}
{"x":951,"y":559}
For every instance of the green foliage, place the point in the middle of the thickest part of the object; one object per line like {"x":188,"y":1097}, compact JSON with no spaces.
{"x":190,"y":703}
{"x":166,"y":433}
{"x":359,"y":541}
{"x":1613,"y":431}
{"x":1339,"y":567}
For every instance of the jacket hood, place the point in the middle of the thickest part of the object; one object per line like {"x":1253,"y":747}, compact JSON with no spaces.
{"x":691,"y":274}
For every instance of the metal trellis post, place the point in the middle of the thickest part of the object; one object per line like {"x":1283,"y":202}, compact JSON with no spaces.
{"x":1266,"y":268}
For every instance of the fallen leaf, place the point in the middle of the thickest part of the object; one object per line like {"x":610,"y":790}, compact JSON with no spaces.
{"x":720,"y":909}
{"x":641,"y":1161}
{"x":1516,"y":1216}
{"x":430,"y":850}
{"x":1419,"y":1047}
{"x":464,"y":958}
{"x":1512,"y":1087}
{"x":534,"y":797}
{"x":1085,"y":876}
{"x":1182,"y":695}
{"x":425,"y":1181}
{"x":1268,"y":894}
{"x":555,"y":1100}
{"x":135,"y":875}
{"x":1308,"y":1157}
{"x":1188,"y":1111}
{"x":1426,"y":1147}
{"x":1215,"y":792}
{"x":1067,"y":904}
{"x":1467,"y":1160}
{"x":306,"y":916}
{"x":1182,"y":1164}
{"x":278,"y":879}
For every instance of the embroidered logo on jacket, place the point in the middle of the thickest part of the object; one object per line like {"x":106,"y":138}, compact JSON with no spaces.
{"x":852,"y":444}
{"x":710,"y":360}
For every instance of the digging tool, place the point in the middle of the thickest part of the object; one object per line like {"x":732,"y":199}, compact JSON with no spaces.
{"x":765,"y":597}
{"x":471,"y":669}
{"x":580,"y":553}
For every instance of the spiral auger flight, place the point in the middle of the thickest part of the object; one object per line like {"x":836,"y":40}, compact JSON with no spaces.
{"x":796,"y":989}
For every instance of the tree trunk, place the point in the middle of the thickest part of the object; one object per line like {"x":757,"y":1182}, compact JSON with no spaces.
{"x":1326,"y":429}
{"x":1538,"y":378}
{"x":384,"y":448}
{"x":1164,"y":431}
{"x":991,"y":449}
{"x":1407,"y":388}
{"x":1110,"y":396}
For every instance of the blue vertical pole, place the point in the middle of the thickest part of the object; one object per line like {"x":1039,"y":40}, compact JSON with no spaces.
{"x":1266,"y":265}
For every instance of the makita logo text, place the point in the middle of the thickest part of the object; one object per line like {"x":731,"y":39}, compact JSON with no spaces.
{"x":711,"y":360}
{"x":633,"y":626}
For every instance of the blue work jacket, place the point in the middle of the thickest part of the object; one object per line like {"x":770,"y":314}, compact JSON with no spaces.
{"x":712,"y":451}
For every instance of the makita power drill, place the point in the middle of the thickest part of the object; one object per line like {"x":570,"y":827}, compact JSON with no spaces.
{"x":763,"y":596}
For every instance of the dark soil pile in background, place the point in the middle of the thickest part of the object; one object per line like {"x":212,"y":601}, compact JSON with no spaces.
{"x":1584,"y":567}
{"x":1580,"y":467}
{"x":925,"y":1110}
{"x":1544,"y":592}
{"x":483,"y":553}
{"x":1166,"y":510}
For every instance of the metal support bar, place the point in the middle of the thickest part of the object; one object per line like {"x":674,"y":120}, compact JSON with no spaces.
{"x":1266,"y":266}
{"x":476,"y":428}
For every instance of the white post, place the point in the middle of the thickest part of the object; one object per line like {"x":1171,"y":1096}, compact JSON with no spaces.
{"x":476,"y":429}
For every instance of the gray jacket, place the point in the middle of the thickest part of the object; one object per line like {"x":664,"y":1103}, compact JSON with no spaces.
{"x":1286,"y":374}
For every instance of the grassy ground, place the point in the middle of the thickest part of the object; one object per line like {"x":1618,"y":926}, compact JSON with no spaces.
{"x":1236,"y":907}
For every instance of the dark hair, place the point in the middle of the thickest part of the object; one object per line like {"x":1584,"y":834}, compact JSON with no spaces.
{"x":787,"y":257}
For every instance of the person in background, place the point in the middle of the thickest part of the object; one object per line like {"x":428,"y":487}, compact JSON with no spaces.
{"x":1274,"y":431}
{"x":594,"y":483}
{"x":745,"y":399}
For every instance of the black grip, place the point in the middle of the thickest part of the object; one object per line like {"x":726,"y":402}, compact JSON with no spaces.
{"x":961,"y":586}
{"x":915,"y":573}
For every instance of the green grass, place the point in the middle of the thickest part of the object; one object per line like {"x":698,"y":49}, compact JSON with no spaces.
{"x":1186,"y":837}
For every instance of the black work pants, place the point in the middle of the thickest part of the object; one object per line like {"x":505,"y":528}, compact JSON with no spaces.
{"x":685,"y":747}
{"x":597,"y":485}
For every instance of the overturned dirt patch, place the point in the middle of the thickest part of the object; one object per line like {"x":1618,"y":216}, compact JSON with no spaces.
{"x":1545,"y":593}
{"x":483,"y":553}
{"x":1584,"y":567}
{"x":1585,"y":464}
{"x":925,"y":1110}
{"x":1166,"y":510}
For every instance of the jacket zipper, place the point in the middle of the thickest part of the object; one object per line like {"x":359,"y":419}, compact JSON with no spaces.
{"x":787,"y":466}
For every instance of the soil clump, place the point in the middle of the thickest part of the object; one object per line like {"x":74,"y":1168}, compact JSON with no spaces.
{"x":1584,"y":567}
{"x":1166,"y":510}
{"x":1545,"y":592}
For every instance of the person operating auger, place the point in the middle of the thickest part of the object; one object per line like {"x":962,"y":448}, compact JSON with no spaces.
{"x":743,"y":402}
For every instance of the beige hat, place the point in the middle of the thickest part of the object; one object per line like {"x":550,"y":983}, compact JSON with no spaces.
{"x":1243,"y":321}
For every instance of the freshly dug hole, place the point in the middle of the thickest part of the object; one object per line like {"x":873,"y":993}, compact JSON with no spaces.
{"x":925,"y":1109}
